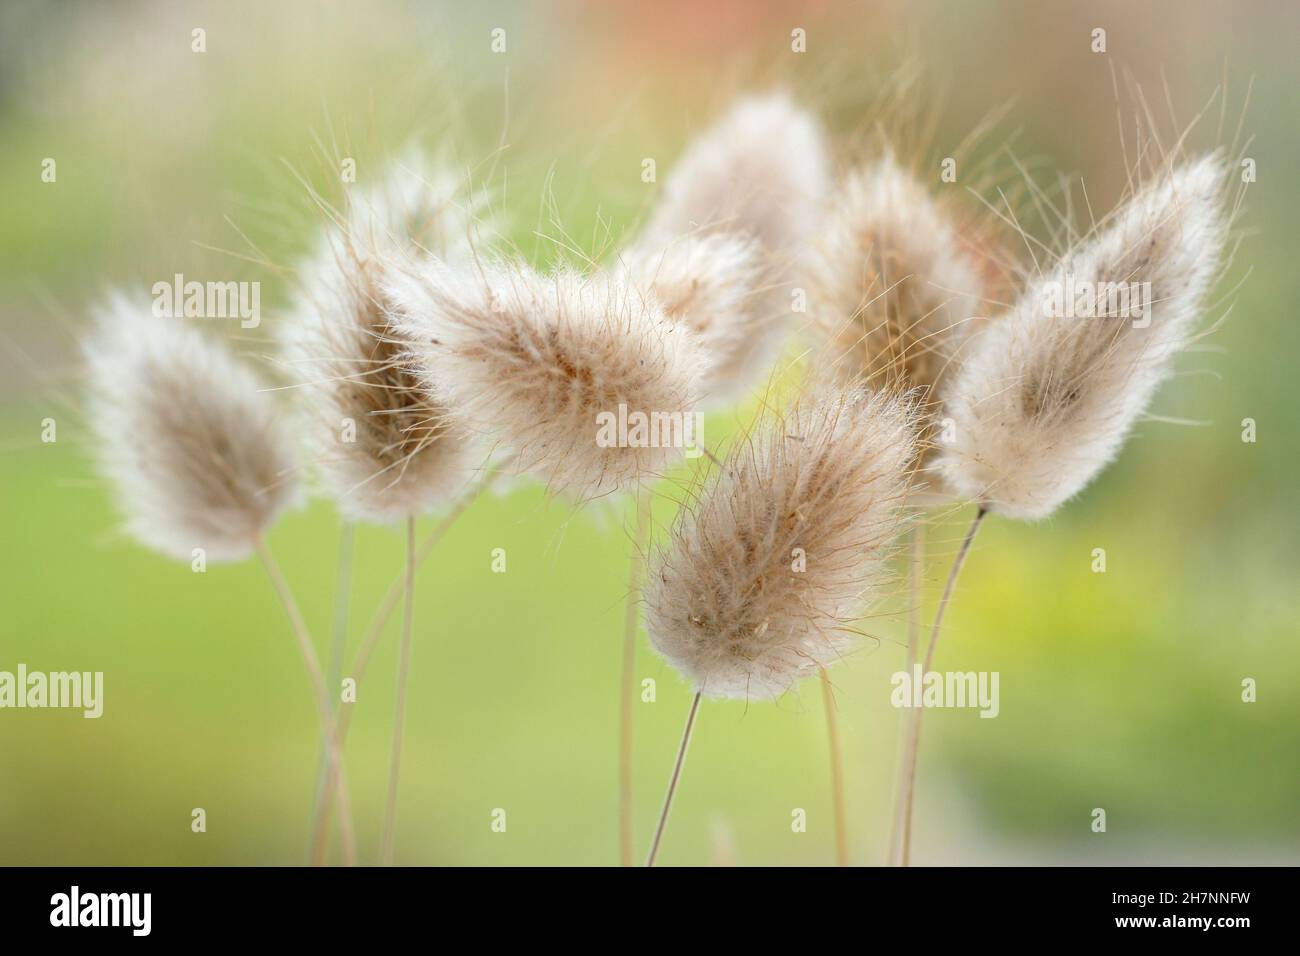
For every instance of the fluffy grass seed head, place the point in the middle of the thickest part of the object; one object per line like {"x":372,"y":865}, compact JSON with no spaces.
{"x":545,"y":364}
{"x":711,"y":283}
{"x":768,"y":568}
{"x":421,"y":205}
{"x":762,"y":170}
{"x":733,"y":220}
{"x":891,"y":290}
{"x":194,"y":450}
{"x":382,"y":445}
{"x":1046,"y":395}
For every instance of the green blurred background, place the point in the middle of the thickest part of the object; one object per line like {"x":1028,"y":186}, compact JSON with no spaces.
{"x":1119,"y":690}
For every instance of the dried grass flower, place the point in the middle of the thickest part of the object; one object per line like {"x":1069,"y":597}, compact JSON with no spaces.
{"x":194,"y":449}
{"x":767,"y":569}
{"x":734,"y":217}
{"x":712,"y":284}
{"x":540,"y":363}
{"x":761,"y":170}
{"x":382,"y":445}
{"x":890,"y":288}
{"x":1046,"y":395}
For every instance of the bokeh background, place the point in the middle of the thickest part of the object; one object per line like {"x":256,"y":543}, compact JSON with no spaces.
{"x":1119,"y":690}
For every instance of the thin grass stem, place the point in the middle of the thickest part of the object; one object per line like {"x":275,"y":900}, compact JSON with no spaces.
{"x":916,"y":576}
{"x":338,"y":647}
{"x":914,"y":727}
{"x":672,"y":781}
{"x":628,"y":677}
{"x":329,"y":729}
{"x":399,"y":718}
{"x":837,"y":771}
{"x":376,"y":627}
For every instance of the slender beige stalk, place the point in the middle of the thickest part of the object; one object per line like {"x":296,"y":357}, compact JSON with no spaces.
{"x":335,"y":782}
{"x":914,"y":727}
{"x":626,"y":689}
{"x":342,"y":601}
{"x":395,"y":591}
{"x":299,"y":628}
{"x":338,"y":646}
{"x":389,"y":604}
{"x":722,"y":842}
{"x":399,"y":719}
{"x":329,"y":730}
{"x":672,"y":781}
{"x":346,"y":830}
{"x":328,"y":781}
{"x":916,"y":575}
{"x":837,"y":771}
{"x":916,"y":572}
{"x":384,"y":612}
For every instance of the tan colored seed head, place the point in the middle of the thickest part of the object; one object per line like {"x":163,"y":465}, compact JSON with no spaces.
{"x":1047,"y":394}
{"x":767,"y":570}
{"x":540,"y":363}
{"x":891,"y":290}
{"x":734,"y":218}
{"x":382,"y":445}
{"x":712,"y":285}
{"x":194,"y":450}
{"x":762,"y":171}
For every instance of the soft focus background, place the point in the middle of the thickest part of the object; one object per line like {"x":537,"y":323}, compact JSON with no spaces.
{"x":1119,"y":690}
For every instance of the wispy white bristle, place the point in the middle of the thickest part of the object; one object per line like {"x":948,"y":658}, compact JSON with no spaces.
{"x":421,"y":205}
{"x":766,"y":572}
{"x":712,"y":284}
{"x":535,"y":362}
{"x":194,"y":449}
{"x":890,"y":288}
{"x":382,"y":445}
{"x":1044,"y":400}
{"x":734,"y":217}
{"x":762,"y":170}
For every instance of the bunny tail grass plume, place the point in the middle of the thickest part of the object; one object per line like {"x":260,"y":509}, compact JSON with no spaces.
{"x":193,"y":449}
{"x":760,"y":173}
{"x":382,"y":445}
{"x":552,"y":367}
{"x":422,"y":205}
{"x":890,"y":288}
{"x":762,"y":170}
{"x":767,"y":570}
{"x":1046,"y":396}
{"x":712,"y":284}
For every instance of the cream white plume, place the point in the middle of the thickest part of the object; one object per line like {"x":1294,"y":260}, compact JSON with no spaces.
{"x":381,"y":444}
{"x":1047,"y":395}
{"x":767,"y":570}
{"x":540,"y":362}
{"x":194,"y":449}
{"x":891,"y":290}
{"x":712,"y":284}
{"x":759,"y":174}
{"x":762,"y":170}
